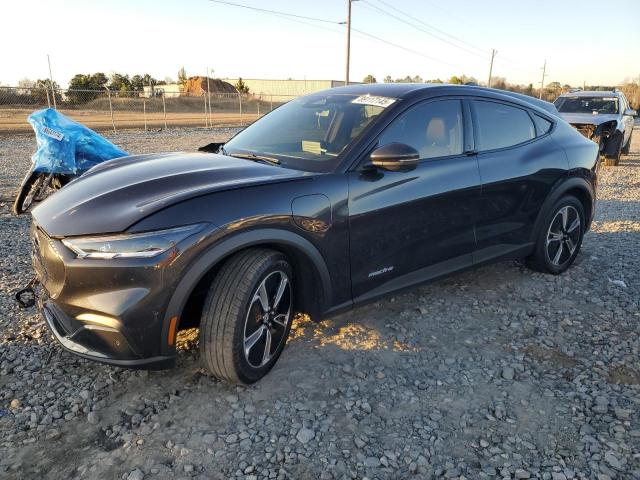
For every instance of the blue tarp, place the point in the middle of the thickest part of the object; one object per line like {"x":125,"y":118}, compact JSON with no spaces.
{"x":68,"y":147}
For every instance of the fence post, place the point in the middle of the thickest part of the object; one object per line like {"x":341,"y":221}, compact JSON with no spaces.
{"x":206,"y":122}
{"x":209,"y":99}
{"x":144,"y":112}
{"x":271,"y":109}
{"x":111,"y":109}
{"x":240,"y":101}
{"x":210,"y":111}
{"x":164,"y":109}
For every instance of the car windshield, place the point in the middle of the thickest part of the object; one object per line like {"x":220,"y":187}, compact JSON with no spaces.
{"x":308,"y":133}
{"x":587,"y":105}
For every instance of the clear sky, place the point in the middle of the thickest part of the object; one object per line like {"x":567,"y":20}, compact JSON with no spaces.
{"x":594,"y":41}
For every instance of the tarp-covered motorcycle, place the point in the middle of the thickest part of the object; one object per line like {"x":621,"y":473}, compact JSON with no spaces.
{"x":66,"y":149}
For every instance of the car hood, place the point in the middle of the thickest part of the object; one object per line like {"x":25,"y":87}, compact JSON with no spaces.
{"x":116,"y":194}
{"x":588,"y":118}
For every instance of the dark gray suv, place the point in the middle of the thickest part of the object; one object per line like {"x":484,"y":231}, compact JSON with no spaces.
{"x":331,"y":200}
{"x":603,"y":116}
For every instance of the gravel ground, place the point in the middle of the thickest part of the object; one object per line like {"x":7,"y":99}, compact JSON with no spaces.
{"x":496,"y":373}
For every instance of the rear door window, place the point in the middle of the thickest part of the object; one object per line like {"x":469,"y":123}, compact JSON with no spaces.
{"x":498,"y":125}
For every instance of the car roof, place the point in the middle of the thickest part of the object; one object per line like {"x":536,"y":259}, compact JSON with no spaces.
{"x":396,"y":90}
{"x":591,"y":93}
{"x":408,"y":90}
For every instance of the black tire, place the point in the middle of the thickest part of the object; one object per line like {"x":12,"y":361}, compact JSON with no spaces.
{"x":32,"y":187}
{"x":233,"y":316}
{"x":562,"y":237}
{"x":627,"y":147}
{"x":614,"y":160}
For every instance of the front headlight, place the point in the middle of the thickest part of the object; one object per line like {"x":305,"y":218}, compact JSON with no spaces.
{"x":134,"y":245}
{"x":607,"y":129}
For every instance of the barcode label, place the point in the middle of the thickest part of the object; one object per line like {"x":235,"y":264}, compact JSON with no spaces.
{"x":52,"y":133}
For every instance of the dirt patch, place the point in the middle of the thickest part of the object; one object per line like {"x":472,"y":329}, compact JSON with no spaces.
{"x":623,"y":375}
{"x":551,"y":355}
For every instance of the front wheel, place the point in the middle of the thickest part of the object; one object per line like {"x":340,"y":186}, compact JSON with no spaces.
{"x":247,"y":316}
{"x":560,"y":237}
{"x":613,"y":160}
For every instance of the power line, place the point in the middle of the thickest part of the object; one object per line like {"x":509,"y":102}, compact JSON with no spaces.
{"x":415,"y":52}
{"x":427,"y":26}
{"x":305,"y":20}
{"x":275,"y":12}
{"x":287,"y":16}
{"x":501,"y":59}
{"x":296,"y":18}
{"x":321,"y":27}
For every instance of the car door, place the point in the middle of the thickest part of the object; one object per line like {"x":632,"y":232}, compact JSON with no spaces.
{"x":519,"y":163}
{"x":408,"y":226}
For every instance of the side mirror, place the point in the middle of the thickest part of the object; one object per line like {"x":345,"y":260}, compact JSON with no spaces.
{"x":631,"y":111}
{"x":395,"y":157}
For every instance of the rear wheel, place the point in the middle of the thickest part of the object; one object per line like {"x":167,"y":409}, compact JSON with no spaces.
{"x":560,"y":237}
{"x":247,"y":316}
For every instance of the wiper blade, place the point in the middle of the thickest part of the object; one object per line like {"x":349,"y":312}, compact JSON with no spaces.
{"x":256,"y":158}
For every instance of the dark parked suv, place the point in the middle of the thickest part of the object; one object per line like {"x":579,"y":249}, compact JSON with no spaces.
{"x":331,"y":200}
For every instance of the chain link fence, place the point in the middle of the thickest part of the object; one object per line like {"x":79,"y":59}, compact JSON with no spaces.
{"x":106,"y":110}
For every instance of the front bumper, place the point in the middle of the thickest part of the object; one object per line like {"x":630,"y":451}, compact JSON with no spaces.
{"x":112,"y":311}
{"x":100,"y":343}
{"x":605,"y":135}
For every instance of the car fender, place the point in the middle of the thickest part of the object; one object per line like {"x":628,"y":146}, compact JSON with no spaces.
{"x":563,"y":186}
{"x":231,"y":244}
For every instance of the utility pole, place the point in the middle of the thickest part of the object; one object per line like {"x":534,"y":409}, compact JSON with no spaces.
{"x":209,"y":98}
{"x":53,"y":91}
{"x":544,"y":73}
{"x":493,"y":54}
{"x":346,"y":77}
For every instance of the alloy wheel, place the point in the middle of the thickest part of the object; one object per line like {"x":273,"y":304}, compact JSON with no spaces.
{"x":563,"y":235}
{"x":267,"y":319}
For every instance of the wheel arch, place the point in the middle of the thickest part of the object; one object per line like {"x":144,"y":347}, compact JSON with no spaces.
{"x":576,"y":186}
{"x":311,"y":275}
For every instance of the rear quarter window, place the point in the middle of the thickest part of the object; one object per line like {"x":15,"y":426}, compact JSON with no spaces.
{"x":542,"y":125}
{"x":498,"y":125}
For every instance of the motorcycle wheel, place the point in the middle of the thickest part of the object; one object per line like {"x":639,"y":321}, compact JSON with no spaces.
{"x":33,"y":187}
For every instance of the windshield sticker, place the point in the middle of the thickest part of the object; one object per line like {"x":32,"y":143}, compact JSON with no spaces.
{"x":49,"y":132}
{"x":376,"y":101}
{"x":610,"y":99}
{"x":311,"y":147}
